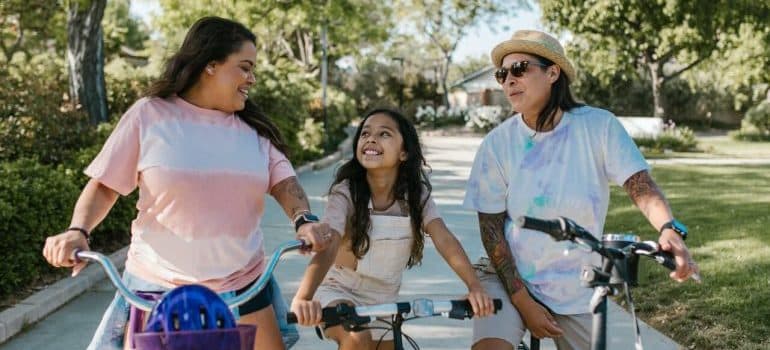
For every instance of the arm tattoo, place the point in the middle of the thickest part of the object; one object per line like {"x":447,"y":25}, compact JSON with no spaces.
{"x":644,"y":192}
{"x":291,"y":196}
{"x":493,"y":238}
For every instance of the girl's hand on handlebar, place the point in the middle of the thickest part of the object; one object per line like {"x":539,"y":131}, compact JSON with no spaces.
{"x":58,"y":250}
{"x":685,"y":266}
{"x":536,"y":318}
{"x":480,"y":301}
{"x":317,"y":235}
{"x":308,"y":311}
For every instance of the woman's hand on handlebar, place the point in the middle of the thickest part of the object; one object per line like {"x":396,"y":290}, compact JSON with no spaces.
{"x":536,"y":317}
{"x":59,"y":249}
{"x":308,"y":312}
{"x":685,"y":266}
{"x":316,"y":234}
{"x":480,"y":301}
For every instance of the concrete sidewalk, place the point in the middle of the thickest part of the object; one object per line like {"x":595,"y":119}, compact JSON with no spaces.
{"x":450,"y":157}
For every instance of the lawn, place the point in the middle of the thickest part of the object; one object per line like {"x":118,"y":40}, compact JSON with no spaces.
{"x":727,"y":209}
{"x":727,"y":147}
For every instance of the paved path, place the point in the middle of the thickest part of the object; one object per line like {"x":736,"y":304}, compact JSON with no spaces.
{"x":450,"y":157}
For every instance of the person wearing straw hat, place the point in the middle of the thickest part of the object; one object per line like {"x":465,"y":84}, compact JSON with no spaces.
{"x":553,"y":157}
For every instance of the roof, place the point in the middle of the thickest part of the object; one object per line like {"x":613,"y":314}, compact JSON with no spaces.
{"x":481,"y":79}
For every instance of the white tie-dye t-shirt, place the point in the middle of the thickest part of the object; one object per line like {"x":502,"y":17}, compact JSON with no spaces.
{"x":202,"y":176}
{"x":563,"y":172}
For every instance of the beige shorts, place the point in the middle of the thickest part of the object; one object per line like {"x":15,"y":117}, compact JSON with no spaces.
{"x":343,"y":284}
{"x":508,"y":325}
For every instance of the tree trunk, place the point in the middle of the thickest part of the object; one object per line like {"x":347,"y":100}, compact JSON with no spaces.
{"x":85,"y":57}
{"x":656,"y":76}
{"x":444,"y":73}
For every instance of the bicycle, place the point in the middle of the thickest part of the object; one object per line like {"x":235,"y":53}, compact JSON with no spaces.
{"x":620,"y":254}
{"x":217,"y":325}
{"x":354,"y":318}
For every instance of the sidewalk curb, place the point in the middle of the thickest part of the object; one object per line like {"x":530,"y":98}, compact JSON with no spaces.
{"x":46,"y":301}
{"x":39,"y":305}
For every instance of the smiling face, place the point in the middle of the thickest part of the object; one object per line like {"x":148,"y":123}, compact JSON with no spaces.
{"x":230,"y":80}
{"x":529,"y":93}
{"x":380,"y":145}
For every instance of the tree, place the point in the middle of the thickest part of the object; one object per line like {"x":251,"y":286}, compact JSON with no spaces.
{"x":25,"y":26}
{"x":446,"y":22}
{"x":121,"y":30}
{"x":85,"y":57}
{"x":664,"y":37}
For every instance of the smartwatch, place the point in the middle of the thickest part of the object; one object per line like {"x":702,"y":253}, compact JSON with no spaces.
{"x":304,"y":218}
{"x":677,"y":226}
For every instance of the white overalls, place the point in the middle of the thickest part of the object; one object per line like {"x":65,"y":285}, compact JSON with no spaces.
{"x":377,"y":278}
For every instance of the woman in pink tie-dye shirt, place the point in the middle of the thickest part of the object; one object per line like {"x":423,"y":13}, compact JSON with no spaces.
{"x":203,"y":157}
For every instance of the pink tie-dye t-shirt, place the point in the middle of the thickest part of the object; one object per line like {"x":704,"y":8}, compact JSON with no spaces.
{"x":564,"y":172}
{"x":202,"y":176}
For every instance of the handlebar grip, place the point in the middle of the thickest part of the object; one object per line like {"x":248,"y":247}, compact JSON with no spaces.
{"x":462,"y":309}
{"x":336,"y":315}
{"x":666,"y":259}
{"x":551,"y":227}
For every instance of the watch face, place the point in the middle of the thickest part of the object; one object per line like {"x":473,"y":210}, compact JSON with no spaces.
{"x":311,"y":218}
{"x":679,"y":227}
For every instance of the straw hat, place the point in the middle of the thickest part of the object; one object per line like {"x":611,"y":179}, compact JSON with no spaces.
{"x":537,"y":43}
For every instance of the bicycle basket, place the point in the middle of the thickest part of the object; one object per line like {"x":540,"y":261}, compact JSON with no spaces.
{"x":193,"y":317}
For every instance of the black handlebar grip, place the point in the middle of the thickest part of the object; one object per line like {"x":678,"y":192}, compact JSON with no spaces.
{"x":291,"y":317}
{"x":462,"y":309}
{"x":666,"y":259}
{"x":551,"y":227}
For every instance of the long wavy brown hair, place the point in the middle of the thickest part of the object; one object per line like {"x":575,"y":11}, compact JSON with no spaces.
{"x":412,"y":186}
{"x":212,"y":39}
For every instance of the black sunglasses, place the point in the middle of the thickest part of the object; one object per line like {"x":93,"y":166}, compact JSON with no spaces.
{"x":517,"y":69}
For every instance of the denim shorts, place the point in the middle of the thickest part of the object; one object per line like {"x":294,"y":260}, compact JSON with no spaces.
{"x":110,"y":332}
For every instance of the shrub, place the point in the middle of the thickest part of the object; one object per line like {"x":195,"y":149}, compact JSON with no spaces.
{"x":36,"y":201}
{"x":427,"y":116}
{"x":486,"y":118}
{"x":35,"y":121}
{"x":680,"y":139}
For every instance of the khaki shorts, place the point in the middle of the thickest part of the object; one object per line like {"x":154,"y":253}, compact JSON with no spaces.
{"x":508,"y":325}
{"x":345,"y":284}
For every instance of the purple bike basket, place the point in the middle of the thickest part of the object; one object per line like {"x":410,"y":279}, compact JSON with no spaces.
{"x":241,"y":338}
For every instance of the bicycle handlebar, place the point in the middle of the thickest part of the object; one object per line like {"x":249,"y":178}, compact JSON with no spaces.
{"x":233,"y":302}
{"x":352,"y":316}
{"x":562,"y":228}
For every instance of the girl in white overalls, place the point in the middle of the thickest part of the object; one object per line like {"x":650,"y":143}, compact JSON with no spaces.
{"x":380,"y":203}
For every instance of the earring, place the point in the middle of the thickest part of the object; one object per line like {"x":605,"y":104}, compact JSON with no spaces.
{"x":210,"y":70}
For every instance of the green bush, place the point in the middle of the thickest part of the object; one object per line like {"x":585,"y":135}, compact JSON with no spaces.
{"x":36,"y":201}
{"x":35,"y":121}
{"x":755,"y":125}
{"x":679,"y":139}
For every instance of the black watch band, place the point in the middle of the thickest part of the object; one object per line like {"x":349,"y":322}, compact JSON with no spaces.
{"x":304,"y":218}
{"x":677,"y":226}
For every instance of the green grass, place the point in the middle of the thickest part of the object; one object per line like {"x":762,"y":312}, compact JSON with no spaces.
{"x":726,"y":146}
{"x":727,"y":210}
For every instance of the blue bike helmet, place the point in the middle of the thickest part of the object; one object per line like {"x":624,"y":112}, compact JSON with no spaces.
{"x":190,"y":308}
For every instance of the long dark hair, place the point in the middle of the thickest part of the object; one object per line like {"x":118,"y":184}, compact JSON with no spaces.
{"x":412,"y":186}
{"x":212,"y":39}
{"x":561,"y":98}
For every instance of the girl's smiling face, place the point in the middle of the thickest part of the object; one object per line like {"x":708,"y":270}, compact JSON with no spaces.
{"x":380,"y":144}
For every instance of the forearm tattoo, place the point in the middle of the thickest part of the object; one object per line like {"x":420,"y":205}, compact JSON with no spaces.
{"x":493,"y":238}
{"x":644,"y":192}
{"x":291,"y":196}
